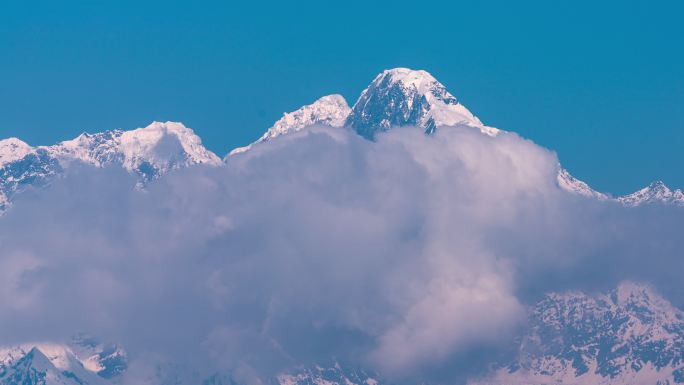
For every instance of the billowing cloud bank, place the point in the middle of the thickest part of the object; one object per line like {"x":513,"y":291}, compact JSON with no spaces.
{"x":414,"y":255}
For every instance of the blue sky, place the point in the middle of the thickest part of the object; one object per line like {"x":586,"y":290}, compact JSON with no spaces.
{"x":601,"y":84}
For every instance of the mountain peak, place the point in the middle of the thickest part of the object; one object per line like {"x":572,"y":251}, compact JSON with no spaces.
{"x":406,"y":97}
{"x":165,"y":144}
{"x":12,"y":149}
{"x":45,"y":365}
{"x":656,"y":192}
{"x":330,"y":110}
{"x":658,"y":185}
{"x":396,"y":97}
{"x":83,"y":361}
{"x":151,"y":150}
{"x":420,"y":79}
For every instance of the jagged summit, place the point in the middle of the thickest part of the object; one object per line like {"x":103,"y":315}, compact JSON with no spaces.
{"x":656,"y":192}
{"x":331,"y":110}
{"x":405,"y":97}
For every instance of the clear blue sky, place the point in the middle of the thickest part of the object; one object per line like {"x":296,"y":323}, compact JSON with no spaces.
{"x":602,"y":83}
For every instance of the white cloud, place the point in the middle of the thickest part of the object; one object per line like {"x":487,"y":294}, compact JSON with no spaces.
{"x":404,"y":254}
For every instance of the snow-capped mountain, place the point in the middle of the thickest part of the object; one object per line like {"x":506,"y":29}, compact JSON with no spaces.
{"x":396,"y":97}
{"x":405,"y":97}
{"x":148,"y":152}
{"x":630,"y":335}
{"x":22,"y":165}
{"x":331,"y":110}
{"x":83,"y":361}
{"x":656,"y":192}
{"x":35,"y":368}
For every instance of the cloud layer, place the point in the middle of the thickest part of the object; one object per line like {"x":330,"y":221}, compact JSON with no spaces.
{"x":411,"y":255}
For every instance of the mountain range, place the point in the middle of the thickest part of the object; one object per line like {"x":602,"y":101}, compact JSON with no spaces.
{"x":147,"y":152}
{"x":629,"y":335}
{"x":395,"y":98}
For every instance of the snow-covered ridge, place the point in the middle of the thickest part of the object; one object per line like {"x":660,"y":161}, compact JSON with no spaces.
{"x":630,"y":335}
{"x":148,"y":152}
{"x":163,"y":146}
{"x":570,"y":183}
{"x":331,"y":110}
{"x":656,"y":192}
